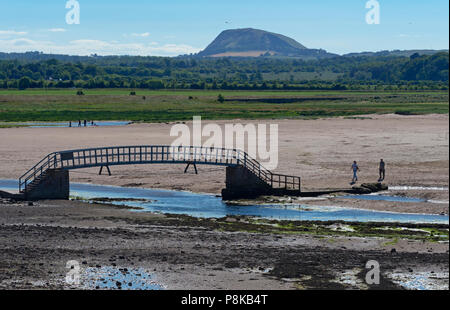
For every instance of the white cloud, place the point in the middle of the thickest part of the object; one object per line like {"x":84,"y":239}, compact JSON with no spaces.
{"x":22,"y":42}
{"x":57,"y":30}
{"x":143,"y":35}
{"x":9,"y":33}
{"x":403,"y":35}
{"x":89,"y":47}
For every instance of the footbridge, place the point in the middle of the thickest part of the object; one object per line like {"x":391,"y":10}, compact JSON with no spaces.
{"x":245,"y":177}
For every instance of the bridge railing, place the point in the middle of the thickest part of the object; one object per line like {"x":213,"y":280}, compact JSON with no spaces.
{"x":274,"y":180}
{"x":129,"y":155}
{"x":286,"y":182}
{"x":48,"y":162}
{"x":148,"y":154}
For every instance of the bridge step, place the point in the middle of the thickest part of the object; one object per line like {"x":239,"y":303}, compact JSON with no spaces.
{"x":53,"y":184}
{"x":35,"y":183}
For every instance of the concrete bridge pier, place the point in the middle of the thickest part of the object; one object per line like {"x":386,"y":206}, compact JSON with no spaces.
{"x":241,"y":183}
{"x":53,"y":184}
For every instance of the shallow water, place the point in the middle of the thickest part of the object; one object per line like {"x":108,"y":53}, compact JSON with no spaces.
{"x":107,"y":278}
{"x":384,"y":198}
{"x":421,"y":280}
{"x":210,"y":206}
{"x":417,"y":188}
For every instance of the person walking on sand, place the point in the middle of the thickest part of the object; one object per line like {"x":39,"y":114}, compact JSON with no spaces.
{"x":85,"y":123}
{"x":79,"y":123}
{"x":355,"y":169}
{"x":382,"y":170}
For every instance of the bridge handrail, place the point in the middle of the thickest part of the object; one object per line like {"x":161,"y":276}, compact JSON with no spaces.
{"x":219,"y":156}
{"x":48,"y":161}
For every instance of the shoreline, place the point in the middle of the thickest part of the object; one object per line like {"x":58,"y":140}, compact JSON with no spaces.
{"x":325,"y":201}
{"x":190,"y":253}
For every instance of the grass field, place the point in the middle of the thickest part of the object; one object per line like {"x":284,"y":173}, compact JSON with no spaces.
{"x":164,"y":106}
{"x":208,"y":93}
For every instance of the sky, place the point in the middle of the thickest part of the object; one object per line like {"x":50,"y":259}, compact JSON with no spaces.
{"x":174,"y":27}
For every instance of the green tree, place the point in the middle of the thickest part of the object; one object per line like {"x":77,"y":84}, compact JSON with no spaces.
{"x":24,"y":83}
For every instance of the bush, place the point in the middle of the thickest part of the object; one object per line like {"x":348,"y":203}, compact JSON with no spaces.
{"x":405,"y":113}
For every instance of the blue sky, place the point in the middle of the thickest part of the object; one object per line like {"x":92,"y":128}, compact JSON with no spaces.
{"x":174,"y":27}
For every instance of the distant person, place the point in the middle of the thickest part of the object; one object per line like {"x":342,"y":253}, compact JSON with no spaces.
{"x":92,"y":123}
{"x":79,"y":123}
{"x":70,"y":124}
{"x":355,"y":169}
{"x":85,"y":123}
{"x":382,"y":170}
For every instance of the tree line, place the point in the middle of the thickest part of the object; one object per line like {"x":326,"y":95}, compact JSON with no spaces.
{"x":37,"y":70}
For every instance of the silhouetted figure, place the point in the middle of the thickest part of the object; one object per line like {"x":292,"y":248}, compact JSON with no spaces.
{"x":382,"y":171}
{"x":70,"y":124}
{"x":85,"y":123}
{"x":79,"y":123}
{"x":355,"y":169}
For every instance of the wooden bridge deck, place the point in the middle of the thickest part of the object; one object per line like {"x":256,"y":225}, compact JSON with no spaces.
{"x":155,"y":154}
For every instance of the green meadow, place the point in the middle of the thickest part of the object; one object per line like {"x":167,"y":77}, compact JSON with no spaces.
{"x":179,"y":105}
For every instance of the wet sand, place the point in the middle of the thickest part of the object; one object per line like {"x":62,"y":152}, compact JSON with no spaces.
{"x":182,"y":253}
{"x":415,"y":149}
{"x":438,"y":207}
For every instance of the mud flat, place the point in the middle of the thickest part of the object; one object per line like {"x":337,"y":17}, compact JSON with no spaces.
{"x":156,"y":251}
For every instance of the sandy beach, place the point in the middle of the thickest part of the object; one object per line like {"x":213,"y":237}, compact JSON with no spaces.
{"x":415,"y":149}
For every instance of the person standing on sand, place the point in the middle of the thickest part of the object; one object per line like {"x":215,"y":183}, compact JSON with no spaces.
{"x":85,"y":123}
{"x":382,"y":170}
{"x":355,"y":169}
{"x":79,"y":123}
